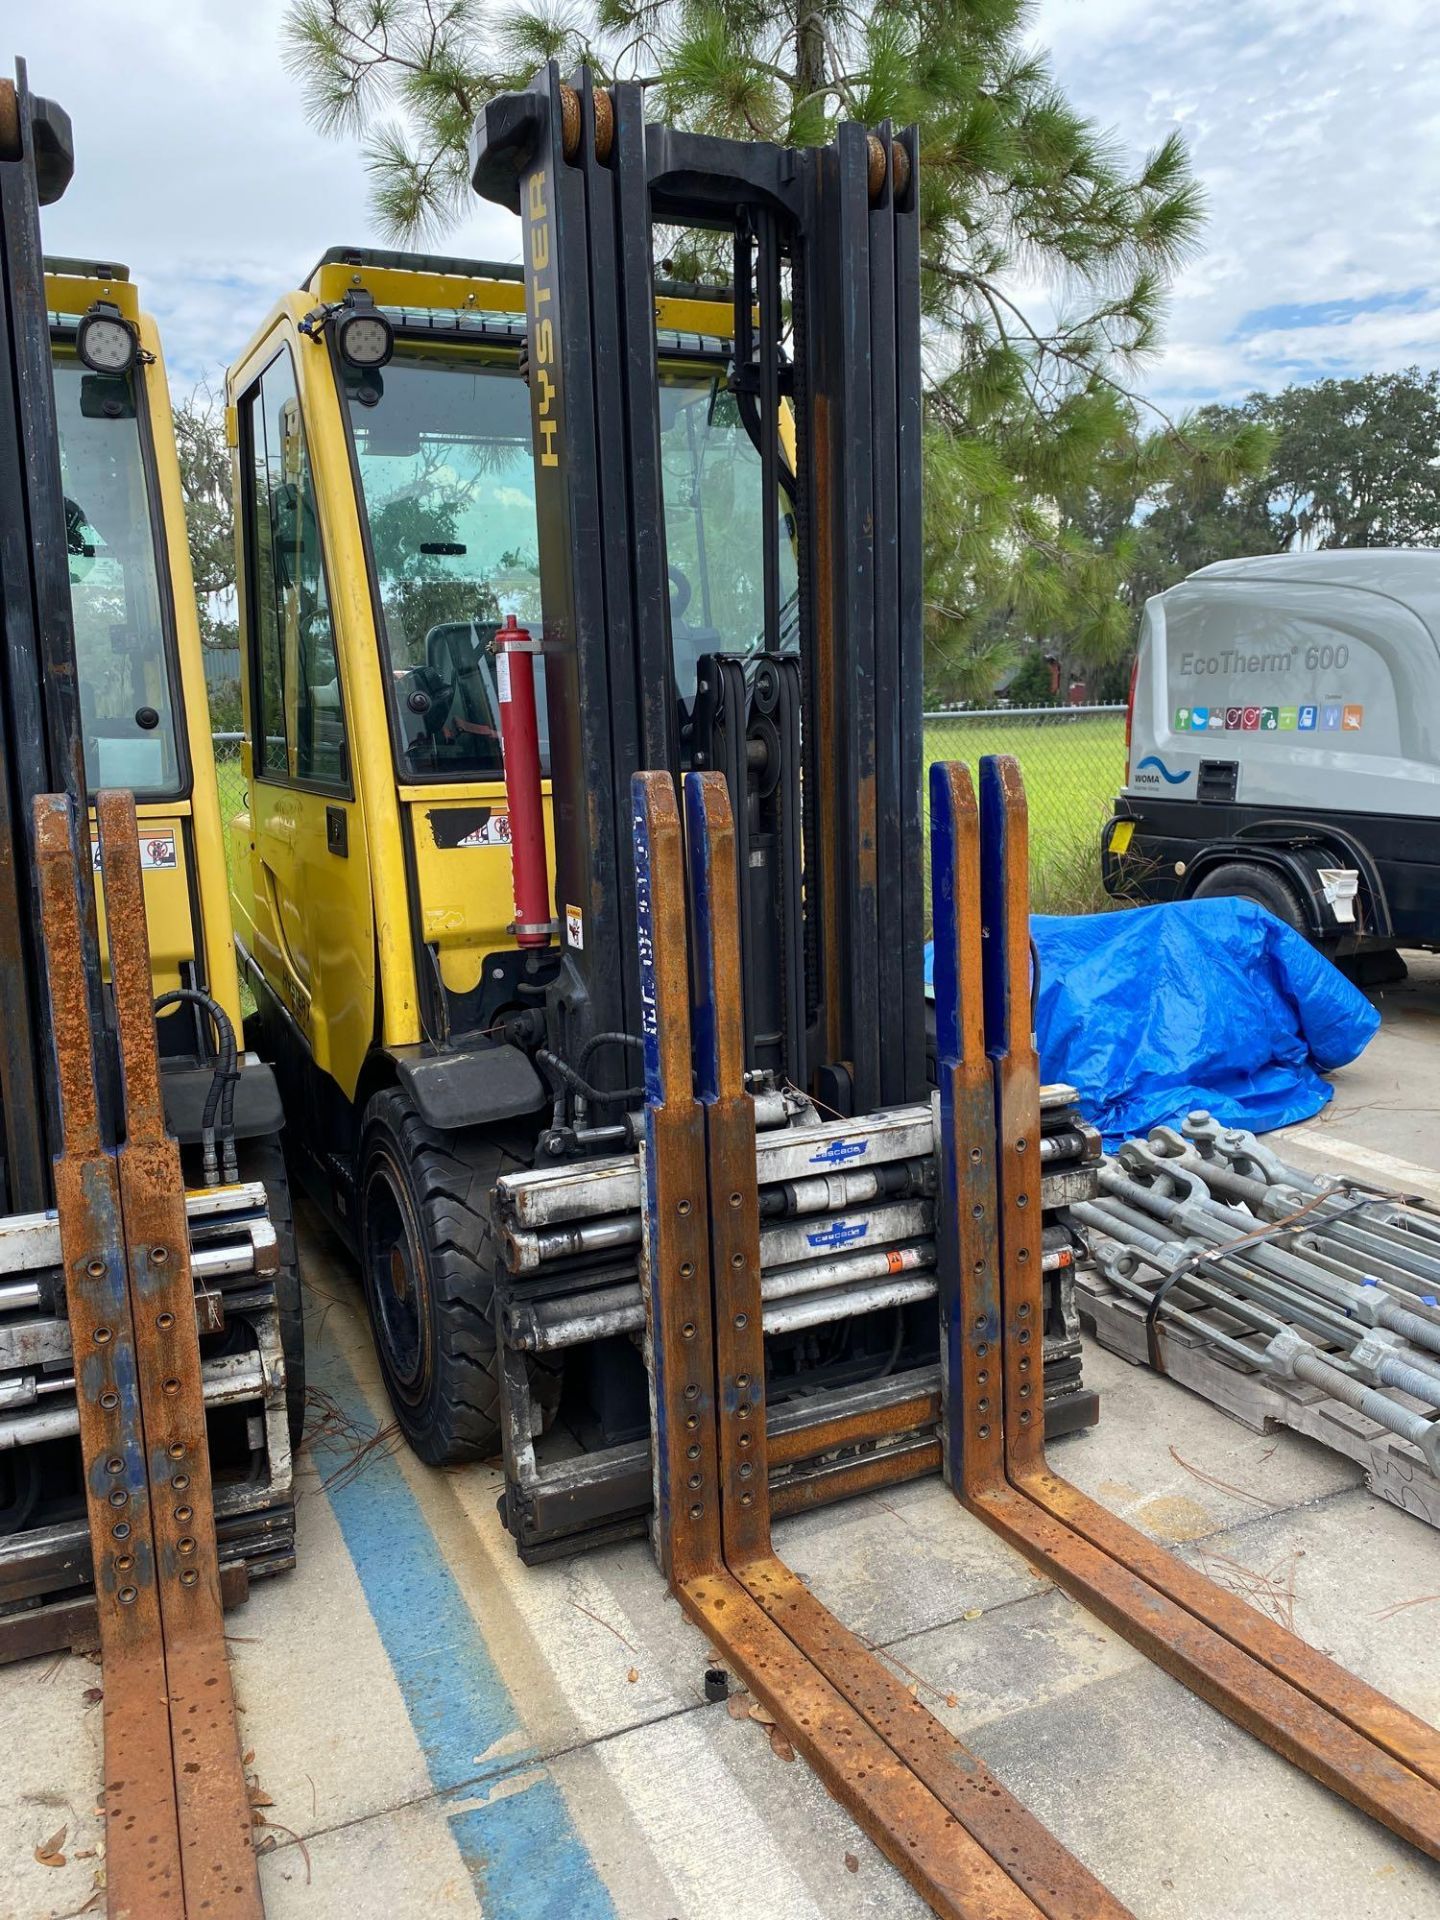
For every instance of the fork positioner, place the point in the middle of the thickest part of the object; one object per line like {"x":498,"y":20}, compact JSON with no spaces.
{"x":931,"y":1806}
{"x":1364,"y":1746}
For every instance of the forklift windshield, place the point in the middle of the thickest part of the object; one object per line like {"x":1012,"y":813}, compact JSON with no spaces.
{"x":122,"y":639}
{"x":442,"y":448}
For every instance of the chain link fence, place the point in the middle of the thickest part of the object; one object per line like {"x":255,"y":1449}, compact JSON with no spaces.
{"x":227,"y":772}
{"x":1073,"y":761}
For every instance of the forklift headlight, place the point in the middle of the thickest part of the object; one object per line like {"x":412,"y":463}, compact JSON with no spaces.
{"x":105,"y":340}
{"x":363,"y":334}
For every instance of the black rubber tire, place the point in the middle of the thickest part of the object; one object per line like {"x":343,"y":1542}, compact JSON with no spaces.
{"x":1240,"y":880}
{"x":427,"y":1260}
{"x":264,"y":1159}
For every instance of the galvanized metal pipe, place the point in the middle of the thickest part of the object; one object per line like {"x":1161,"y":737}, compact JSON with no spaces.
{"x":1285,"y":1352}
{"x":1336,"y":1219}
{"x":1372,"y":1306}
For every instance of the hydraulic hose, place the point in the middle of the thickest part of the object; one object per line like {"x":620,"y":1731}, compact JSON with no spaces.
{"x":220,"y":1100}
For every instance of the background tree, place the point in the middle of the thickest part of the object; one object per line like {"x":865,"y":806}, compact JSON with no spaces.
{"x":1026,"y":390}
{"x":1344,"y":463}
{"x":209,"y":513}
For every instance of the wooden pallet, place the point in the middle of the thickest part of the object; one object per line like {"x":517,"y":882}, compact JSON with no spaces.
{"x":1393,"y":1469}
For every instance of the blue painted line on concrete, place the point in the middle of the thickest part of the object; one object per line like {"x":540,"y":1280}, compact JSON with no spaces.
{"x":525,"y":1858}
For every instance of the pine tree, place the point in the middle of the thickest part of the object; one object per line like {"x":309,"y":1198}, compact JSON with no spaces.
{"x":1046,"y":253}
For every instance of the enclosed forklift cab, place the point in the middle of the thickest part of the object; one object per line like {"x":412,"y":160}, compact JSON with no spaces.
{"x":144,"y":713}
{"x":408,"y":484}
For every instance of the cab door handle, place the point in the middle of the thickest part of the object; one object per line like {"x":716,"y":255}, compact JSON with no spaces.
{"x":337,"y":832}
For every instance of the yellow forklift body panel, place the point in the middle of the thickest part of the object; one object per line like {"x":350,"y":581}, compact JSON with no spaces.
{"x":460,"y":833}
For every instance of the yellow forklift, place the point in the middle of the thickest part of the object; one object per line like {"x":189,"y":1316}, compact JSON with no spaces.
{"x":787,"y":1208}
{"x":145,"y":725}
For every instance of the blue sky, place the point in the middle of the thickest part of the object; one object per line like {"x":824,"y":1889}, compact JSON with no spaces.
{"x":1315,"y":128}
{"x":1314,"y":125}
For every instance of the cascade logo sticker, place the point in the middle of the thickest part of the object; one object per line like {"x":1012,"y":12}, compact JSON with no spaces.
{"x":1352,"y":719}
{"x":845,"y":1234}
{"x":1308,"y":718}
{"x":838,"y":1152}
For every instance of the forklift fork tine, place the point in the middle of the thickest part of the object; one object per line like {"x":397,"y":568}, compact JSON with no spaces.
{"x":142,"y":1852}
{"x":216,"y":1848}
{"x":961,"y":1837}
{"x":991,"y":1280}
{"x":913,"y":1830}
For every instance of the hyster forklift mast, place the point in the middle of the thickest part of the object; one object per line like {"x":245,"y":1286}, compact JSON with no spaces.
{"x":810,"y":710}
{"x":84,"y":1125}
{"x":818,"y":728}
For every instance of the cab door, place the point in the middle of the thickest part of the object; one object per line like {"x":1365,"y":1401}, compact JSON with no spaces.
{"x":313,"y":921}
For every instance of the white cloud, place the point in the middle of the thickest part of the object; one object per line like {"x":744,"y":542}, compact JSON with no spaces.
{"x":1313,"y":126}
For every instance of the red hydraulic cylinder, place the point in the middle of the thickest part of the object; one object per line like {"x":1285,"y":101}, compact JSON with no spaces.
{"x":520,"y":743}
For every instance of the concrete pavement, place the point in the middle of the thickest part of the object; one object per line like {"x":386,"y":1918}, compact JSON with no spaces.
{"x":440,"y":1730}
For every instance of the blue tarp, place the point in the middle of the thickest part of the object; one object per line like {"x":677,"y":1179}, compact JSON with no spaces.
{"x":1204,"y":1003}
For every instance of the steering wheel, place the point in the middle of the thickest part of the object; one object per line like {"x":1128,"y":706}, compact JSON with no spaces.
{"x":680,"y":592}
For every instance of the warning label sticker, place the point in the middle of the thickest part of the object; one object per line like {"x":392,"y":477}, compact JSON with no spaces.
{"x":494,"y":832}
{"x":157,"y":850}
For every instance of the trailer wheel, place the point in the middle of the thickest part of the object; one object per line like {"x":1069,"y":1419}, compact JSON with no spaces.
{"x":427,"y":1254}
{"x":264,"y":1159}
{"x":1240,"y":880}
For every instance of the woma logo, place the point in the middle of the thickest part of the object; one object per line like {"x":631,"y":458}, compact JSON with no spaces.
{"x":1154,"y":760}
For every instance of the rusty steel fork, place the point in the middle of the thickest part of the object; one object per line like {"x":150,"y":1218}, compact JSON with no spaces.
{"x":931,"y":1806}
{"x":1349,"y":1737}
{"x":178,"y":1824}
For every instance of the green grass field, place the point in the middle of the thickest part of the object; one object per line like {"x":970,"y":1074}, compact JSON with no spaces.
{"x":230,"y":783}
{"x":1073,"y":769}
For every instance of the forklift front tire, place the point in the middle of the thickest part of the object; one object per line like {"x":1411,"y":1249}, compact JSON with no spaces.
{"x":427,"y":1255}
